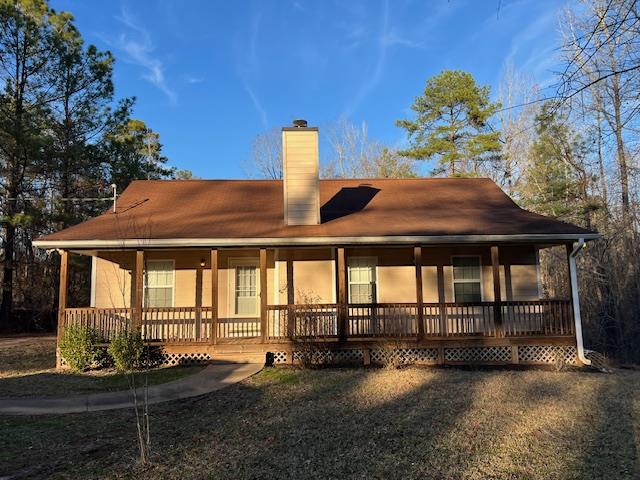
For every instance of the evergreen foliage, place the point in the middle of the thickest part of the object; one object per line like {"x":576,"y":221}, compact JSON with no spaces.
{"x":452,"y":124}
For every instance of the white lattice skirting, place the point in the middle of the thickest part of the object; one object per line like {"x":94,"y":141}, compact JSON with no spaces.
{"x":173,"y":359}
{"x":184,"y":358}
{"x":547,"y":354}
{"x":478,"y":354}
{"x":335,"y":356}
{"x":526,"y":354}
{"x":280,"y":357}
{"x":406,"y":355}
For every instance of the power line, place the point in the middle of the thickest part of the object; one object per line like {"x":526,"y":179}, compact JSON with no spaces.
{"x":73,"y":199}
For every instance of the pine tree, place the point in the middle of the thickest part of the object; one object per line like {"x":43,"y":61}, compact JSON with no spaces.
{"x":133,"y":151}
{"x":555,"y":182}
{"x":451,"y":124}
{"x":30,"y":34}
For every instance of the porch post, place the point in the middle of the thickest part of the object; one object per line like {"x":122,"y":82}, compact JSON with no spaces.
{"x":291,"y":298}
{"x":417,"y":259}
{"x":263,"y":294}
{"x":139,"y":285}
{"x":198,"y":314}
{"x":441,"y":300}
{"x":213,"y":337}
{"x":341,"y":270}
{"x":62,"y":300}
{"x":497,"y":300}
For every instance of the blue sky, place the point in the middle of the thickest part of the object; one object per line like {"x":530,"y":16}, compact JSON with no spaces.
{"x":210,"y":75}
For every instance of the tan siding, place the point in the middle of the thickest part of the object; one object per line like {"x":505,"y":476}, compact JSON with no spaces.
{"x":395,"y":272}
{"x":314,"y":274}
{"x":430,"y":284}
{"x":524,"y":281}
{"x":113,"y":285}
{"x":301,"y":177}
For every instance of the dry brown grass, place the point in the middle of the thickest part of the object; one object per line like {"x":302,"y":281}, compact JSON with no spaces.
{"x":27,"y":368}
{"x":23,"y":355}
{"x":358,"y":423}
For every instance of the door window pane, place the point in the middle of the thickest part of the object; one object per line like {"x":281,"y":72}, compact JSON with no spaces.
{"x":246,"y":290}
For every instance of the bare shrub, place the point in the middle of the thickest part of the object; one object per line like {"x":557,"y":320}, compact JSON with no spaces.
{"x":559,"y":360}
{"x":393,"y":351}
{"x":392,"y":355}
{"x":307,"y":331}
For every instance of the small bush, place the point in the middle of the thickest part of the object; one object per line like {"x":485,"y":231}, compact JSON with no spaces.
{"x":126,"y":349}
{"x":79,"y":347}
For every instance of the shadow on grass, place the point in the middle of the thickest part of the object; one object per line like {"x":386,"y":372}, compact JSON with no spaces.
{"x":317,"y":427}
{"x":357,"y":423}
{"x":610,"y":446}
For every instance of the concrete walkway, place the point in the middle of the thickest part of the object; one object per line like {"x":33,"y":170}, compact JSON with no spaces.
{"x":214,"y":377}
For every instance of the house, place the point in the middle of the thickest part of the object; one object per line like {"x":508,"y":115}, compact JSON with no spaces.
{"x":446,"y":269}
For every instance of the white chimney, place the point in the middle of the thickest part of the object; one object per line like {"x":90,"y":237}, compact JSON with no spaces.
{"x":300,"y":170}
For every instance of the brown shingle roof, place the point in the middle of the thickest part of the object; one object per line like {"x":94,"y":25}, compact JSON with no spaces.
{"x":218,"y":209}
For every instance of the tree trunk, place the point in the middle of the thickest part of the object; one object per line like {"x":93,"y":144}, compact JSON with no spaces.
{"x":603,"y":173}
{"x":621,"y":155}
{"x":6,"y":308}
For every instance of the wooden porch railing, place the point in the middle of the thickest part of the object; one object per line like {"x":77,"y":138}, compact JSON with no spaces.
{"x":302,"y":321}
{"x":177,"y":324}
{"x":235,"y":328}
{"x":384,"y":320}
{"x":392,"y":320}
{"x":108,"y":321}
{"x":542,"y":317}
{"x":467,"y":319}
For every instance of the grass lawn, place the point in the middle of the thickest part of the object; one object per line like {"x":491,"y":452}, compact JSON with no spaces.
{"x":27,"y":368}
{"x":443,"y":423}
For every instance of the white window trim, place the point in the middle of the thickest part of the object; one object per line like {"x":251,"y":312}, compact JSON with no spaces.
{"x":374,"y":260}
{"x":94,"y":279}
{"x":173,"y":287}
{"x":232,"y":263}
{"x":454,"y":281}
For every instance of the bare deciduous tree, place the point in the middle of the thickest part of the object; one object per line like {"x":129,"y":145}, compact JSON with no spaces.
{"x":266,"y":155}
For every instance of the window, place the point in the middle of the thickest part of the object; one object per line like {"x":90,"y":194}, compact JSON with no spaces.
{"x":245,"y":287}
{"x":159,"y":284}
{"x":362,"y":279}
{"x":467,"y":279}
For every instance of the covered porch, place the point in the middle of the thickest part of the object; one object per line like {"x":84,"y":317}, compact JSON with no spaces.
{"x":270,"y":299}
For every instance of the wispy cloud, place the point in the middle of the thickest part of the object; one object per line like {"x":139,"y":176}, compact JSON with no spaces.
{"x":372,"y":80}
{"x":191,"y":80}
{"x":248,"y":65}
{"x":257,"y":104}
{"x":138,"y":47}
{"x":392,"y":38}
{"x":532,"y":48}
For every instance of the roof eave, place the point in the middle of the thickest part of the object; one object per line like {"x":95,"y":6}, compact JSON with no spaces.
{"x":309,"y":241}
